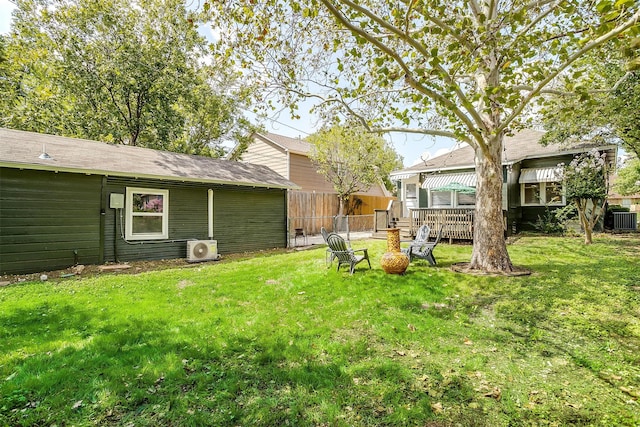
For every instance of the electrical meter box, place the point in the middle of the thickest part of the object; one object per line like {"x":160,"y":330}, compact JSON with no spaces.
{"x":116,"y":201}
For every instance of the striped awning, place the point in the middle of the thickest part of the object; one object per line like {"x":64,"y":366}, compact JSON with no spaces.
{"x":531,"y":175}
{"x":442,"y":180}
{"x":402,"y":176}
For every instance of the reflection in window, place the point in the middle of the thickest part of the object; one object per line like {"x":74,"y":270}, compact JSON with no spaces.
{"x":147,"y":216}
{"x":543,"y":193}
{"x":553,"y":193}
{"x":532,"y":194}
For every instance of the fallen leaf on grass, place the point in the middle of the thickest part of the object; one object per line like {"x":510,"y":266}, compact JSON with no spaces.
{"x":467,"y":341}
{"x":496,"y":393}
{"x":77,"y":404}
{"x":631,"y":392}
{"x":437,"y":407}
{"x":411,"y":327}
{"x":400,"y":353}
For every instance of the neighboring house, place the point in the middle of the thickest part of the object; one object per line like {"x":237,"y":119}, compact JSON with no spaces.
{"x":290,"y":158}
{"x":65,"y":201}
{"x":630,"y":201}
{"x":530,"y":182}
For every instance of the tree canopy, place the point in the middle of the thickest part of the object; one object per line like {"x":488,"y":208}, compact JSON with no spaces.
{"x":471,"y":70}
{"x":603,"y":104}
{"x":351,"y":160}
{"x":118,"y":71}
{"x":628,"y":179}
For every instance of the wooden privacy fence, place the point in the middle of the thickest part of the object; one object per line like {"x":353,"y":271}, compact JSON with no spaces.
{"x":311,"y":211}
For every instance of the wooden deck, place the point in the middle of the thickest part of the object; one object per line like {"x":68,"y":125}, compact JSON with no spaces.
{"x":457,"y":224}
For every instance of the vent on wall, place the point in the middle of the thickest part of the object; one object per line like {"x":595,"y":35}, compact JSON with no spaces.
{"x":202,"y":250}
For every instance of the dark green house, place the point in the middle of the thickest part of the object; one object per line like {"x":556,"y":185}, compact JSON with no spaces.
{"x":441,"y":190}
{"x":66,"y":201}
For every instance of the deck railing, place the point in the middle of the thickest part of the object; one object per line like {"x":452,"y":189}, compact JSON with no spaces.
{"x":457,"y":223}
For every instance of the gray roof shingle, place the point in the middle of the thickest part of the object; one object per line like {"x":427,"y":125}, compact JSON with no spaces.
{"x":295,"y":145}
{"x":523,"y":145}
{"x":20,"y":149}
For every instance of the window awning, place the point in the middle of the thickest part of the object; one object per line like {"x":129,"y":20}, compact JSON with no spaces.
{"x":531,"y":175}
{"x":443,"y":180}
{"x":402,"y":176}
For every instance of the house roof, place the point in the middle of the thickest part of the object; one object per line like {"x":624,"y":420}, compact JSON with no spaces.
{"x":521,"y":146}
{"x":293,"y":145}
{"x":20,"y":149}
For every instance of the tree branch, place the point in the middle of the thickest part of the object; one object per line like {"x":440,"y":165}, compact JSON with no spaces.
{"x":572,"y":58}
{"x":533,"y":22}
{"x":409,"y":80}
{"x":432,"y":132}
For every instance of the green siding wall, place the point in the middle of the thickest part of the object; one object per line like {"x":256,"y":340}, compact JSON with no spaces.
{"x":249,"y":219}
{"x":245,"y":219}
{"x":45,"y":217}
{"x":526,"y":216}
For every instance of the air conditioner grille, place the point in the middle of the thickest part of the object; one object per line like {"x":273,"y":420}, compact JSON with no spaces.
{"x":202,"y":250}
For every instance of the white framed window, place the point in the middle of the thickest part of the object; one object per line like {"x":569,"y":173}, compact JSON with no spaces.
{"x":451,"y":199}
{"x":147,"y":214}
{"x":542,"y":193}
{"x":441,"y":199}
{"x":410,"y":190}
{"x":465,"y":199}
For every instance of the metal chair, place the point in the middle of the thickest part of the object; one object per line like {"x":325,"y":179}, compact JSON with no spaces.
{"x":299,"y":232}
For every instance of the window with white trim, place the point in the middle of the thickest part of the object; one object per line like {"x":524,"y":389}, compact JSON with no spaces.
{"x":465,"y":199}
{"x":411,"y":191}
{"x":441,"y":199}
{"x":147,"y":214}
{"x":451,"y":199}
{"x":542,"y":193}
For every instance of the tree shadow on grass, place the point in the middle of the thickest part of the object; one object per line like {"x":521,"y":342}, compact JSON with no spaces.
{"x":140,"y":371}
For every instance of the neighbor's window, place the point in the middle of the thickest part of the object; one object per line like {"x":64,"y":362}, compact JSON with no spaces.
{"x":147,"y":214}
{"x":542,"y":193}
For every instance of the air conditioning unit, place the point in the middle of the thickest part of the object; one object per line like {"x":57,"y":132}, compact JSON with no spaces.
{"x":202,"y":250}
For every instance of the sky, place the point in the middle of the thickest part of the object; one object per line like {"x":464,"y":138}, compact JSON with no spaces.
{"x":411,"y":147}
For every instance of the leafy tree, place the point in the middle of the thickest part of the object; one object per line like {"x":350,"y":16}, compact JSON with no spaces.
{"x":586,"y":186}
{"x":628,"y":181}
{"x":463,"y":69}
{"x":129,"y":72}
{"x":351,"y":160}
{"x":606,"y":106}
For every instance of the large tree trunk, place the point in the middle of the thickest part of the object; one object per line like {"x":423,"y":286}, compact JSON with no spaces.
{"x":489,"y":246}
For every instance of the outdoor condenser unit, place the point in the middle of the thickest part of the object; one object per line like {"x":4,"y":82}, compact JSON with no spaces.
{"x":202,"y":250}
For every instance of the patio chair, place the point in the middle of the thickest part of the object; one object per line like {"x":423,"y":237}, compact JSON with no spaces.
{"x":424,"y":249}
{"x":328,"y":257}
{"x":345,"y":254}
{"x":422,"y":237}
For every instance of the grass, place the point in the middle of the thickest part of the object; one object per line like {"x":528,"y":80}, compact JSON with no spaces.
{"x":278,"y":339}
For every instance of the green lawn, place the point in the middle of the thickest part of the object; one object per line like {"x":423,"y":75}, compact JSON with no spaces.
{"x":272,"y":340}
